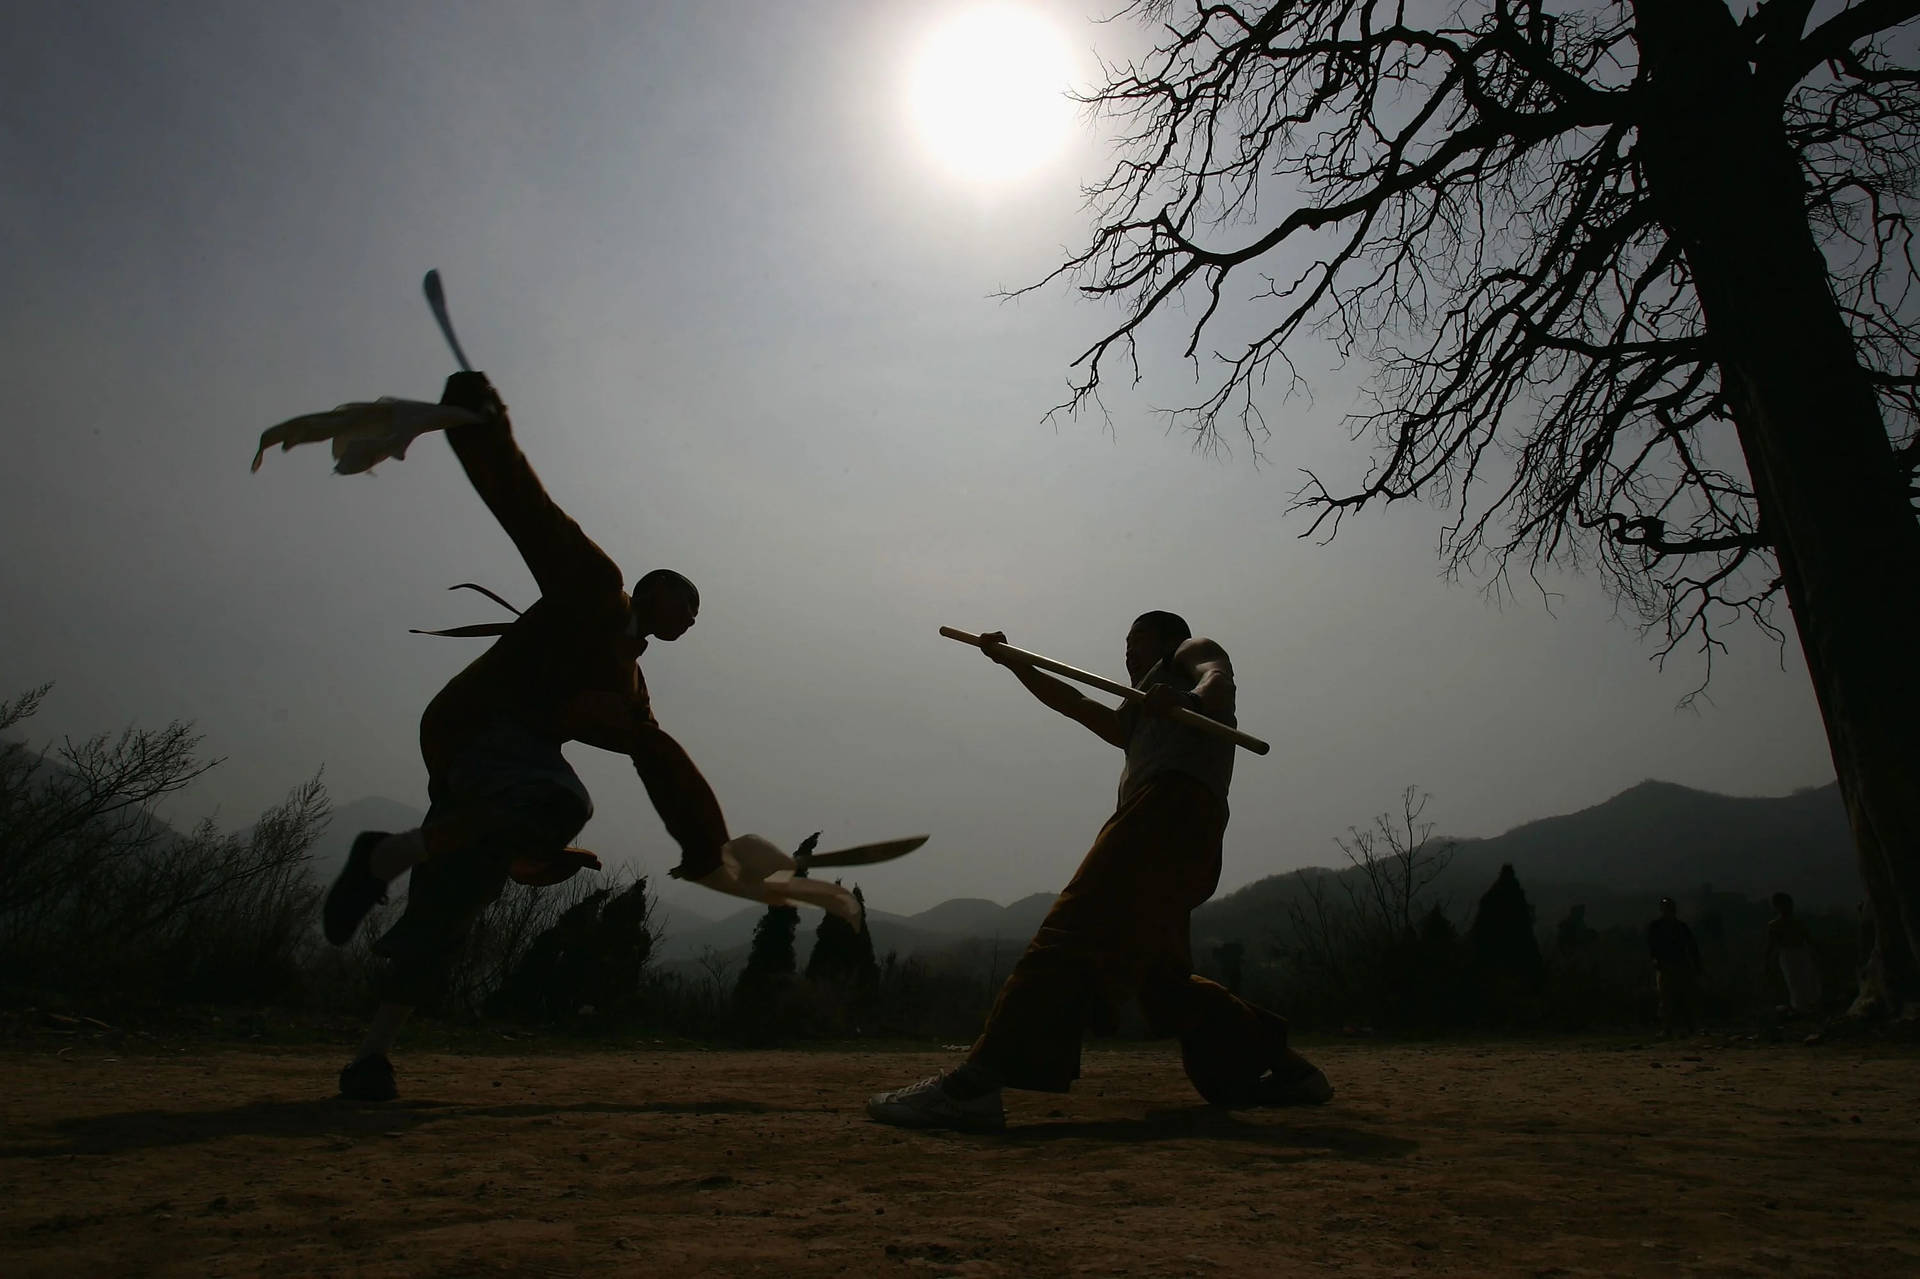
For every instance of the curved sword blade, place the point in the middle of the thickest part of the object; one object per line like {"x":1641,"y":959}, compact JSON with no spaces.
{"x":867,"y":854}
{"x":437,"y":300}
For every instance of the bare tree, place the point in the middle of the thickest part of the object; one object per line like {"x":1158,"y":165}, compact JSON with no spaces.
{"x":1636,"y":285}
{"x":1398,"y":860}
{"x":73,"y":818}
{"x":1354,"y":938}
{"x":96,"y":890}
{"x":258,"y":879}
{"x":717,"y":968}
{"x":1321,"y":935}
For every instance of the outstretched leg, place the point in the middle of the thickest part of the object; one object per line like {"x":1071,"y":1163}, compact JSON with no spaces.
{"x":377,"y":858}
{"x":459,"y":862}
{"x":1235,"y":1053}
{"x":1120,"y":925}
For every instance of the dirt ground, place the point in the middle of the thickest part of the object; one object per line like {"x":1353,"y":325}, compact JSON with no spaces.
{"x":1522,"y":1160}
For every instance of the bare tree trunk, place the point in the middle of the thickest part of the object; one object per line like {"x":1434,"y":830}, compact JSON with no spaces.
{"x":1831,"y":496}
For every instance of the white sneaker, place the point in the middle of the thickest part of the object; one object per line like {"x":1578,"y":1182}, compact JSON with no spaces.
{"x":927,"y":1105}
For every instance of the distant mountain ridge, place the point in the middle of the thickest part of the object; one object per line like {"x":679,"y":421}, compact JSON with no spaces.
{"x":1617,"y":857}
{"x":949,"y":924}
{"x":347,"y":820}
{"x":1653,"y":834}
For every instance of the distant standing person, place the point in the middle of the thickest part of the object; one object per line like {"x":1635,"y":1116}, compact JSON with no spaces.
{"x":1121,"y":926}
{"x":1790,"y":951}
{"x":1676,"y":967}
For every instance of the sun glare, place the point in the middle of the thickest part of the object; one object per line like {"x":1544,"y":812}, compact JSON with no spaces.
{"x":987,"y":92}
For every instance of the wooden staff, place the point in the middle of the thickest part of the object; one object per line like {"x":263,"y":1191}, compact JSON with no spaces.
{"x":1180,"y":715}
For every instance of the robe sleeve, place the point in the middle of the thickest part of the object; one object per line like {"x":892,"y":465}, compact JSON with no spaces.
{"x":564,"y":561}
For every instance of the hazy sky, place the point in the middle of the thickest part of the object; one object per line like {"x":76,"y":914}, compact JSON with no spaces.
{"x":740,"y":304}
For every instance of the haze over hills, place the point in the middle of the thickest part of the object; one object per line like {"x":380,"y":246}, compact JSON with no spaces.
{"x":1659,"y":837}
{"x":951,"y":923}
{"x":347,"y":820}
{"x":1617,"y":858}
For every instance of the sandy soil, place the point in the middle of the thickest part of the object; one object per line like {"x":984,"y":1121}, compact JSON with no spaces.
{"x":1537,"y":1161}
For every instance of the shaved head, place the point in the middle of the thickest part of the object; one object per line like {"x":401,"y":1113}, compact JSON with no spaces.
{"x":666,"y":577}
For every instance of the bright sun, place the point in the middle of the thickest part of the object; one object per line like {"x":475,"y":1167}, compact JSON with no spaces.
{"x":988,"y":92}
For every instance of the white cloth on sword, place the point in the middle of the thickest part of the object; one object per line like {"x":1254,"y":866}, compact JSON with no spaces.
{"x":365,"y":433}
{"x":754,"y":868}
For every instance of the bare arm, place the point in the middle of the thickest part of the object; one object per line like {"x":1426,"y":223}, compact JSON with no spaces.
{"x":1103,"y":721}
{"x":1212,"y":672}
{"x":564,"y":561}
{"x":1212,"y":695}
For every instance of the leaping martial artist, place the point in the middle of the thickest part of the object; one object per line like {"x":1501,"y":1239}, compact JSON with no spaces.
{"x":500,"y":792}
{"x":1121,"y":925}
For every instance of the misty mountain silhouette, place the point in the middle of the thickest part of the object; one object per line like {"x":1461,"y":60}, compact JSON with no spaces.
{"x":951,"y":923}
{"x":1661,"y":837}
{"x":348,"y":820}
{"x":1617,"y":858}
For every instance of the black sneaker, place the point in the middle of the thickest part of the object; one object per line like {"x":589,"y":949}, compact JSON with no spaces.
{"x":356,"y":890}
{"x":368,"y":1079}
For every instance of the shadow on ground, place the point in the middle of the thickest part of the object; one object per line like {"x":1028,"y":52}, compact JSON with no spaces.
{"x":147,"y":1129}
{"x":1210,"y":1123}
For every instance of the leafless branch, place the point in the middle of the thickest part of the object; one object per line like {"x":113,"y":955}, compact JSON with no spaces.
{"x":1463,"y":207}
